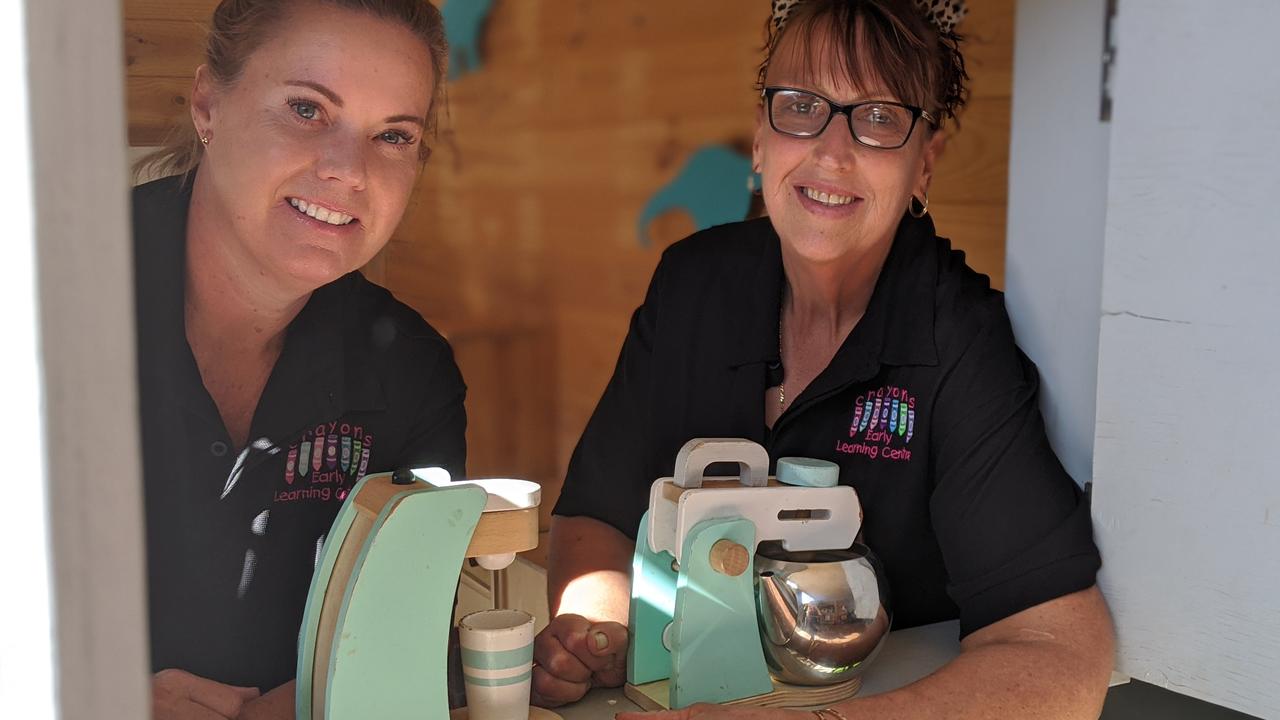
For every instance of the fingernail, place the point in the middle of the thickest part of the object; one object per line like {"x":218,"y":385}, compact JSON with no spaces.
{"x":602,"y":641}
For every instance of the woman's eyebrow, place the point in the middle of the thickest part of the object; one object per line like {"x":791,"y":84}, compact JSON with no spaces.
{"x":406,"y":118}
{"x":333,"y":96}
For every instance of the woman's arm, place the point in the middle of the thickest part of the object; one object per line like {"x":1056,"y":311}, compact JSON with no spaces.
{"x":1049,"y":662}
{"x":590,"y":569}
{"x":589,"y":593}
{"x":275,"y":705}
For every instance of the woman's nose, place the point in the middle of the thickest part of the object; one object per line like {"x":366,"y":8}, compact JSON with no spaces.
{"x":344,"y":160}
{"x":835,"y":146}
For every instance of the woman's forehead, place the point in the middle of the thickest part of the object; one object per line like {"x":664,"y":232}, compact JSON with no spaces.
{"x":349,"y":52}
{"x":815,"y":57}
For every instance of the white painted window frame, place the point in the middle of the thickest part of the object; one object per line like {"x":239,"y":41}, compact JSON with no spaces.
{"x":74,"y":638}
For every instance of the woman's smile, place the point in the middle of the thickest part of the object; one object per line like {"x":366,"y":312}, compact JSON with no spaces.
{"x":319,"y":223}
{"x":826,"y":200}
{"x":321,"y":211}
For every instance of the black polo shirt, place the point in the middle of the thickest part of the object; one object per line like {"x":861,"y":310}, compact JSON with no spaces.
{"x":362,"y":385}
{"x":928,"y":407}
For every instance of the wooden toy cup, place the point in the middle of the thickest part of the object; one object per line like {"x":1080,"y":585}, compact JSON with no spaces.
{"x":497,"y":663}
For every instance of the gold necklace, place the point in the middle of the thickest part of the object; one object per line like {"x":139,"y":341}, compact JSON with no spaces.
{"x":782,"y":383}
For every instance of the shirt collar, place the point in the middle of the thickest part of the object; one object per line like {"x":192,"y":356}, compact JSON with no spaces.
{"x":326,"y":350}
{"x":896,"y":329}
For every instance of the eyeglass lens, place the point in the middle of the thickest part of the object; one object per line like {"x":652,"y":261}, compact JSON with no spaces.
{"x":802,"y":114}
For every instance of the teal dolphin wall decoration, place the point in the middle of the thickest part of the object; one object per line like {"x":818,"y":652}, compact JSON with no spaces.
{"x":714,"y":187}
{"x":463,"y":21}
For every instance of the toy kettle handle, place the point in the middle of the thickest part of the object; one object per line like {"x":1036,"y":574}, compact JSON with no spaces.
{"x":698,"y":453}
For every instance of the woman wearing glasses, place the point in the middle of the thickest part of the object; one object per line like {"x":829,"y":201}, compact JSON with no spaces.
{"x":841,"y":327}
{"x":273,"y":375}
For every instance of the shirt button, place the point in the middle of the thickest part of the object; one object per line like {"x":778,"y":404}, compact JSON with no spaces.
{"x":218,"y":448}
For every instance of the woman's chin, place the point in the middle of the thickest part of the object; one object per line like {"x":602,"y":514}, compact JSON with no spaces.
{"x":818,"y":249}
{"x":821,"y":243}
{"x":307,"y":271}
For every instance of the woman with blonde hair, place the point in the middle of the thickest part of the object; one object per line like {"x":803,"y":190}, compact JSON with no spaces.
{"x":273,"y":375}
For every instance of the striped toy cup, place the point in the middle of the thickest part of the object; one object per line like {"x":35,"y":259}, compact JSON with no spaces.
{"x":497,"y":663}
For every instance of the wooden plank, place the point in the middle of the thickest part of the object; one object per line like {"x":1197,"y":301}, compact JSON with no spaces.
{"x":978,"y":230}
{"x":655,"y":696}
{"x":156,"y":106}
{"x":975,"y":166}
{"x":163,"y":48}
{"x":191,"y":10}
{"x":503,"y":532}
{"x":988,"y":47}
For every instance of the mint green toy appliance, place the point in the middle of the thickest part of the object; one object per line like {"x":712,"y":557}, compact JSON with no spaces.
{"x":374,"y":639}
{"x":693,"y":609}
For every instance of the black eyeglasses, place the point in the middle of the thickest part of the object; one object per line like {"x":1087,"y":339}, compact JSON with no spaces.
{"x":880,"y":124}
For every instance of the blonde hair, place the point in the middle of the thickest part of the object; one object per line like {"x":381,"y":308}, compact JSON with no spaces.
{"x":240,"y":27}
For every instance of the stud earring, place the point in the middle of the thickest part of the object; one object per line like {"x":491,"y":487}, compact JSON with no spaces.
{"x":204,"y":140}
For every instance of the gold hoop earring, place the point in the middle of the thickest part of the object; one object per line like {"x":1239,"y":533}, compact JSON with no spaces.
{"x":924,"y":206}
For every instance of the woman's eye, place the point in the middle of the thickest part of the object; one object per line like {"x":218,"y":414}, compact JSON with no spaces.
{"x":804,"y":107}
{"x":305,"y":110}
{"x":395,"y":137}
{"x":879,"y":116}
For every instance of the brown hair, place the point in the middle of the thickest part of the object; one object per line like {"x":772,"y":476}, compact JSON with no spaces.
{"x":240,"y":27}
{"x":886,"y":41}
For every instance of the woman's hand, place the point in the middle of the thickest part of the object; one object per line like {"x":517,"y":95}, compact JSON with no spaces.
{"x":707,"y":711}
{"x":274,"y":705}
{"x":573,"y":654}
{"x":179,"y":695}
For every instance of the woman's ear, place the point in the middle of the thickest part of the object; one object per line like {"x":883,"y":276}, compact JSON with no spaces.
{"x":202,"y":101}
{"x":933,"y":149}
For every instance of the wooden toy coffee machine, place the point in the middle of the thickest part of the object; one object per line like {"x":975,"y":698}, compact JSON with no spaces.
{"x":376,"y":628}
{"x":751,"y":590}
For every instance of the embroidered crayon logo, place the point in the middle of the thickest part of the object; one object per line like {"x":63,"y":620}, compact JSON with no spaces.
{"x":883,"y":423}
{"x":325,"y":463}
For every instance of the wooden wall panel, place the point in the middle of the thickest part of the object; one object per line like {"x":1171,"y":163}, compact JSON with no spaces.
{"x":521,"y":241}
{"x":163,"y":45}
{"x":156,"y":106}
{"x":197,"y":11}
{"x":164,"y":48}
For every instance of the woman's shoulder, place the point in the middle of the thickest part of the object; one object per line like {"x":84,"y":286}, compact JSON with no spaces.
{"x":733,"y":253}
{"x":160,"y":209}
{"x":168,"y":188}
{"x":745,"y":240}
{"x":965,"y":305}
{"x":380,"y":331}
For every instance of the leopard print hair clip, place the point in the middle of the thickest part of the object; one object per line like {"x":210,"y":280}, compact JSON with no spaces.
{"x":944,"y":14}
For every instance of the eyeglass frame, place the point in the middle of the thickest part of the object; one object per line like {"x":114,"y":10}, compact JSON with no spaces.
{"x":847,"y":110}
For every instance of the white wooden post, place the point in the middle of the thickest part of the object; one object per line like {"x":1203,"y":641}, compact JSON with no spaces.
{"x":74,"y":644}
{"x":26,"y":626}
{"x":1186,"y":477}
{"x":1057,"y":210}
{"x":1142,"y":261}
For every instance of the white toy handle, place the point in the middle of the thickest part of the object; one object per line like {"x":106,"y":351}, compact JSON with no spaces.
{"x":698,"y":453}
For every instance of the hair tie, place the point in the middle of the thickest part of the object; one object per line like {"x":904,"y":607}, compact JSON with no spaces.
{"x":942,"y":14}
